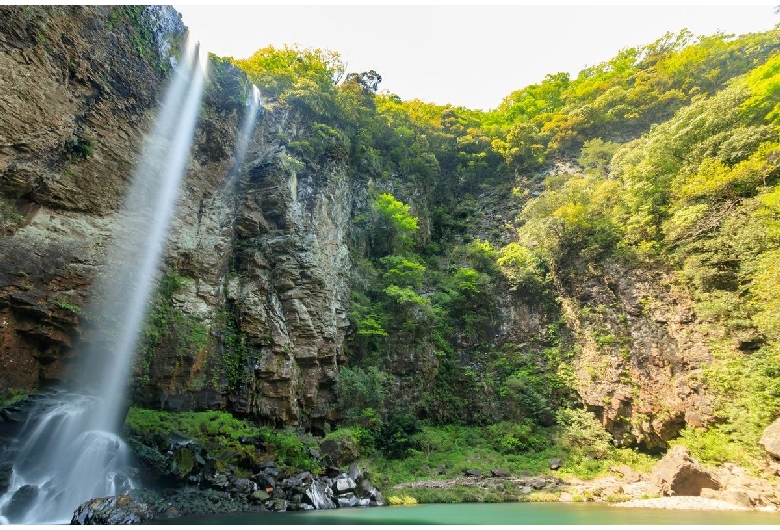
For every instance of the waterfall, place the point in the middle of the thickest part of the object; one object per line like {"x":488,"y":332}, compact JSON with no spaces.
{"x":253,"y":103}
{"x":70,"y":452}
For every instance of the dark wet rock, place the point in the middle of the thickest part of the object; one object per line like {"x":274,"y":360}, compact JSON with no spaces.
{"x":260,"y":496}
{"x":122,"y":484}
{"x":186,"y":501}
{"x":183,"y":462}
{"x":338,"y":453}
{"x":120,"y":509}
{"x":264,"y":481}
{"x":6,"y":472}
{"x":242,"y":486}
{"x":278,"y":505}
{"x":270,"y":469}
{"x":332,"y":472}
{"x":21,"y":501}
{"x":219,"y":480}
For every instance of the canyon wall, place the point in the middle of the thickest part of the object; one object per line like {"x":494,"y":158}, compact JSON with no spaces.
{"x":252,"y":314}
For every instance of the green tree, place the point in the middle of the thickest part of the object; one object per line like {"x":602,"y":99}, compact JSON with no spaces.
{"x":393,"y":226}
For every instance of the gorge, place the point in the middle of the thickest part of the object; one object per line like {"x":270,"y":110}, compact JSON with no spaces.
{"x":587,"y":271}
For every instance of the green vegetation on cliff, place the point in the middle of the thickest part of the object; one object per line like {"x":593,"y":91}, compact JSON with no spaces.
{"x":672,"y":152}
{"x":491,"y":324}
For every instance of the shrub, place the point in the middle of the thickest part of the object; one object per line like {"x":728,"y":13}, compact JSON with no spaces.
{"x":582,"y":433}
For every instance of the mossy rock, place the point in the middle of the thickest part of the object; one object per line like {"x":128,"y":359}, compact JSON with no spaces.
{"x":183,"y":462}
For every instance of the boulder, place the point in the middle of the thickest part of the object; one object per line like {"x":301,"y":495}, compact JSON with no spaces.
{"x":270,"y":469}
{"x":354,"y":471}
{"x":338,"y":453}
{"x":770,"y":440}
{"x":626,"y":472}
{"x":344,"y":484}
{"x":278,"y":505}
{"x":318,"y":495}
{"x":348,"y":500}
{"x":6,"y":472}
{"x":120,"y":509}
{"x":20,"y":502}
{"x":376,"y":499}
{"x":737,"y":497}
{"x":679,"y":474}
{"x":259,"y":496}
{"x":242,"y":486}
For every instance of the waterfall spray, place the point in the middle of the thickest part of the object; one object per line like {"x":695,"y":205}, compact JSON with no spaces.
{"x":253,"y":106}
{"x":70,"y":453}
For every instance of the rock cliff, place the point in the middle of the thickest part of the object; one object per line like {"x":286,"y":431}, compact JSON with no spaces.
{"x":76,"y":99}
{"x":261,"y":247}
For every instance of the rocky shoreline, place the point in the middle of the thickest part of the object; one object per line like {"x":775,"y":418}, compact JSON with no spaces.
{"x":677,"y":482}
{"x":682,"y":503}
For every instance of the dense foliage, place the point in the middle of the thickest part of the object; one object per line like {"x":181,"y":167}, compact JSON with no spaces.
{"x":672,"y":151}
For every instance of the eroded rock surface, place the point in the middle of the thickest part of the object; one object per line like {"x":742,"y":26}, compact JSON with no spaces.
{"x":679,"y":474}
{"x":770,"y":439}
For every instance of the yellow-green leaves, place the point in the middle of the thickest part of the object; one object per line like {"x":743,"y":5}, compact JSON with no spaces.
{"x":397,"y":212}
{"x":766,"y":292}
{"x":520,"y":265}
{"x":395,"y":225}
{"x":764,"y":84}
{"x":403,"y":271}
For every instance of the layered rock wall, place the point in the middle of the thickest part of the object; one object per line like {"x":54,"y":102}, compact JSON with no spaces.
{"x":75,"y":99}
{"x":259,"y":244}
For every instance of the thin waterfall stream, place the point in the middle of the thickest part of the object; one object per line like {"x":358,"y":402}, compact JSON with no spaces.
{"x":70,"y":452}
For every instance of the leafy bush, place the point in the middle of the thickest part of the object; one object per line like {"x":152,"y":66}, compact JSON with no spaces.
{"x":580,"y":432}
{"x":222,"y":430}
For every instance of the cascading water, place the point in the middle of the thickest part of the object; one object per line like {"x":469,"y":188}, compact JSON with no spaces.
{"x":69,"y":452}
{"x":253,"y":103}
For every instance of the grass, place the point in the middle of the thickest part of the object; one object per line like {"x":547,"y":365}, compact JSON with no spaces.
{"x":447,"y":451}
{"x":440,"y":452}
{"x":222,"y":430}
{"x":11,"y":395}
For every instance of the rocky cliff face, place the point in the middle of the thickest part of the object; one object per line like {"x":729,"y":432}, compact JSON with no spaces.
{"x":260,"y":248}
{"x":639,"y":352}
{"x":76,"y":99}
{"x":266,"y":256}
{"x":634,"y":348}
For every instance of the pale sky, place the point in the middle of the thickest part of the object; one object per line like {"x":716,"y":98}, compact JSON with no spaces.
{"x":465,"y":55}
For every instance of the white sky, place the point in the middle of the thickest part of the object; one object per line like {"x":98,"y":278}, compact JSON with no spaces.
{"x":466,"y":55}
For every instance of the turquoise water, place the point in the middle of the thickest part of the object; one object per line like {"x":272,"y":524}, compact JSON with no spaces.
{"x":492,"y":514}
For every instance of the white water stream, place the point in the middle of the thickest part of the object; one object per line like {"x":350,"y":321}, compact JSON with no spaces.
{"x":70,"y":453}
